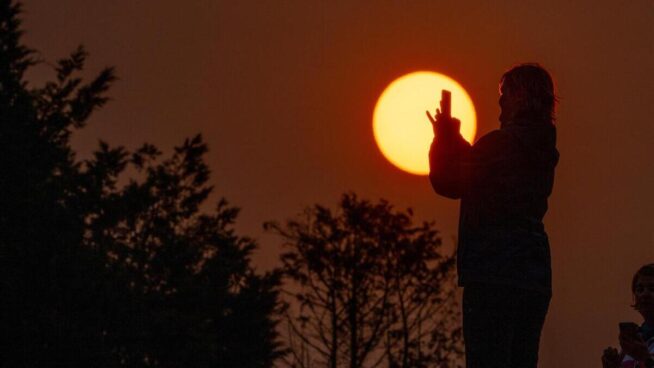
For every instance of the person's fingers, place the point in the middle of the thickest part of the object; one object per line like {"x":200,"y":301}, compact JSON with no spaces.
{"x":609,"y":361}
{"x":430,"y":118}
{"x":610,"y":358}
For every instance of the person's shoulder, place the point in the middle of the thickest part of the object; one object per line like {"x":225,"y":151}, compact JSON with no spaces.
{"x":492,"y":136}
{"x":493,"y":141}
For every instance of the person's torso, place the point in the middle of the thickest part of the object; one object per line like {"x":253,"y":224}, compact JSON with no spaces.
{"x":501,"y":232}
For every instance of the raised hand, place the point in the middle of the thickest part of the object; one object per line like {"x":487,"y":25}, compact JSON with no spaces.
{"x":611,"y":358}
{"x":442,"y":124}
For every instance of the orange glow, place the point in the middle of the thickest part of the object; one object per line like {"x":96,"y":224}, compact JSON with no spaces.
{"x":401,"y":128}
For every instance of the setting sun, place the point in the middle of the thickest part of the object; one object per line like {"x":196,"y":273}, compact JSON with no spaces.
{"x":403,"y":132}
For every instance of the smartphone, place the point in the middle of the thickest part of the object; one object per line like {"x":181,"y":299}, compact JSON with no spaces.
{"x":446,"y":103}
{"x":628,"y":328}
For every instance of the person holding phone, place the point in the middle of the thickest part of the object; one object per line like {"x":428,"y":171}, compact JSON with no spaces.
{"x":503,"y":254}
{"x":636,"y":342}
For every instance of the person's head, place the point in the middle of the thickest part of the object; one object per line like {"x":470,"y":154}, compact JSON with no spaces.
{"x":642,"y":288}
{"x":527,"y":91}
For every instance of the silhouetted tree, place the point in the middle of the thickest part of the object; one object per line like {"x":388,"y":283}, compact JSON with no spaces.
{"x":51,"y":291}
{"x":97,"y":269}
{"x":197,"y":300}
{"x":372,"y":289}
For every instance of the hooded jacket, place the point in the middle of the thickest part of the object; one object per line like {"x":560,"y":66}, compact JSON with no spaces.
{"x":503,"y":181}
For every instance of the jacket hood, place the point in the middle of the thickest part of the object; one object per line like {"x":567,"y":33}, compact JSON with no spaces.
{"x":539,"y":139}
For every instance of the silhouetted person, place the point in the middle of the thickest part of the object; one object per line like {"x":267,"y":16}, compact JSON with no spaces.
{"x":503,"y":255}
{"x":637,"y":344}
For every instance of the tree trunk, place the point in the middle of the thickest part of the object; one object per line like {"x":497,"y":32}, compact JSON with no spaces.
{"x":352,"y":316}
{"x":405,"y":329}
{"x":334,"y":348}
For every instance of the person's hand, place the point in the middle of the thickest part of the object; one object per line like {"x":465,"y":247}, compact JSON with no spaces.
{"x":634,"y":345}
{"x":611,"y":358}
{"x":443,"y":125}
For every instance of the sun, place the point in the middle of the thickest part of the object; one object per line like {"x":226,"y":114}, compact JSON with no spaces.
{"x":401,"y":128}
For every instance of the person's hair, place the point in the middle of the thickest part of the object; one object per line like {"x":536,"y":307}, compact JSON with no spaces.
{"x":646,"y":270}
{"x":533,"y":88}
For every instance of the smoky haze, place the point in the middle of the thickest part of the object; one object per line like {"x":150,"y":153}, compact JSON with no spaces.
{"x":283,"y":93}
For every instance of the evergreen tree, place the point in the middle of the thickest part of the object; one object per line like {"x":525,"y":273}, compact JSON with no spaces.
{"x":98,"y":273}
{"x":51,"y":287}
{"x":194,"y":298}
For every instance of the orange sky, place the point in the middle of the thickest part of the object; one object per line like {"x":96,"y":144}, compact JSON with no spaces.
{"x":283,"y":92}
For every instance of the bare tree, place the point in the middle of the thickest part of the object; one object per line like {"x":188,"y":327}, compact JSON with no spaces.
{"x":368,"y":288}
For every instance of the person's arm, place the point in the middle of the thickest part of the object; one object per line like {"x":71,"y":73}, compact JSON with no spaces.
{"x":453,"y":161}
{"x":449,"y":156}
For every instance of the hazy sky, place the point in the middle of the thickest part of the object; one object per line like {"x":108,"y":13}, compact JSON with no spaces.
{"x":283,"y":93}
